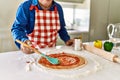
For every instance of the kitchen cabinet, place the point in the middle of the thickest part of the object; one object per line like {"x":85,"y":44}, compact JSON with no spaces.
{"x":114,"y":11}
{"x":102,"y":13}
{"x":98,"y":19}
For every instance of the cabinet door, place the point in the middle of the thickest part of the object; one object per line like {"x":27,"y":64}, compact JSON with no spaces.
{"x":98,"y":19}
{"x":114,"y":11}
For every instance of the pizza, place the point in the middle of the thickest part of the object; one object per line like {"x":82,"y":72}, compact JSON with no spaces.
{"x":66,"y":61}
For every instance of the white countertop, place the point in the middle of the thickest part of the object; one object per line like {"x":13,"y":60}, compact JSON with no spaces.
{"x":12,"y":67}
{"x":77,"y":31}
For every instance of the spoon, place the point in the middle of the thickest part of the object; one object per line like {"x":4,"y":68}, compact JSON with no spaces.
{"x":50,"y":59}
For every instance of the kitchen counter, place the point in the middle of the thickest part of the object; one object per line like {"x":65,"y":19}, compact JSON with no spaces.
{"x":77,"y":31}
{"x":13,"y":67}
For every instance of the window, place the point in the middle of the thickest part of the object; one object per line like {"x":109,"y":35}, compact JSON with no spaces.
{"x":77,"y":15}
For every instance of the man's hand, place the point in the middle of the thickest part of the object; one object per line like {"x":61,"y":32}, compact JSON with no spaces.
{"x":26,"y":49}
{"x":70,"y":42}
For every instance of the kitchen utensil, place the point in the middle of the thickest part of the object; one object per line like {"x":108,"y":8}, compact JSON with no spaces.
{"x":114,"y":32}
{"x":77,"y":44}
{"x":102,"y":53}
{"x":50,"y":59}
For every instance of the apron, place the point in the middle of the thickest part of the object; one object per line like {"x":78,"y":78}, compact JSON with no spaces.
{"x":46,"y":28}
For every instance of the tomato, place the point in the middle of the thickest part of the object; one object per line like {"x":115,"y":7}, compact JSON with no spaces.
{"x":98,"y":44}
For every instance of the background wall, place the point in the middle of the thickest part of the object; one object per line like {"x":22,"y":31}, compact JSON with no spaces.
{"x":103,"y":12}
{"x":7,"y":14}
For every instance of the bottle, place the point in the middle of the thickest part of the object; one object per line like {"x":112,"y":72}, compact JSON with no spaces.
{"x":78,"y":43}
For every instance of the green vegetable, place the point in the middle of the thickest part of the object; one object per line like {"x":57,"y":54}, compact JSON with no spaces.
{"x":108,"y":46}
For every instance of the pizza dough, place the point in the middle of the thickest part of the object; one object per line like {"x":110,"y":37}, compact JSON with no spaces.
{"x":66,"y":61}
{"x":91,"y":65}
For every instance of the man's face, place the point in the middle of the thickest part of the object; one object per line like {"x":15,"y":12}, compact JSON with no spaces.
{"x":45,"y":3}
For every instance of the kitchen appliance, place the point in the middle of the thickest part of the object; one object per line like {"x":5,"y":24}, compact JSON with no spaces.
{"x":114,"y":33}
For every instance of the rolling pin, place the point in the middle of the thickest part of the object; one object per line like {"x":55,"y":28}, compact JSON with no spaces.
{"x":107,"y":55}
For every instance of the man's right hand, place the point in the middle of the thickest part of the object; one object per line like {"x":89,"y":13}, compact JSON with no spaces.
{"x":26,"y":49}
